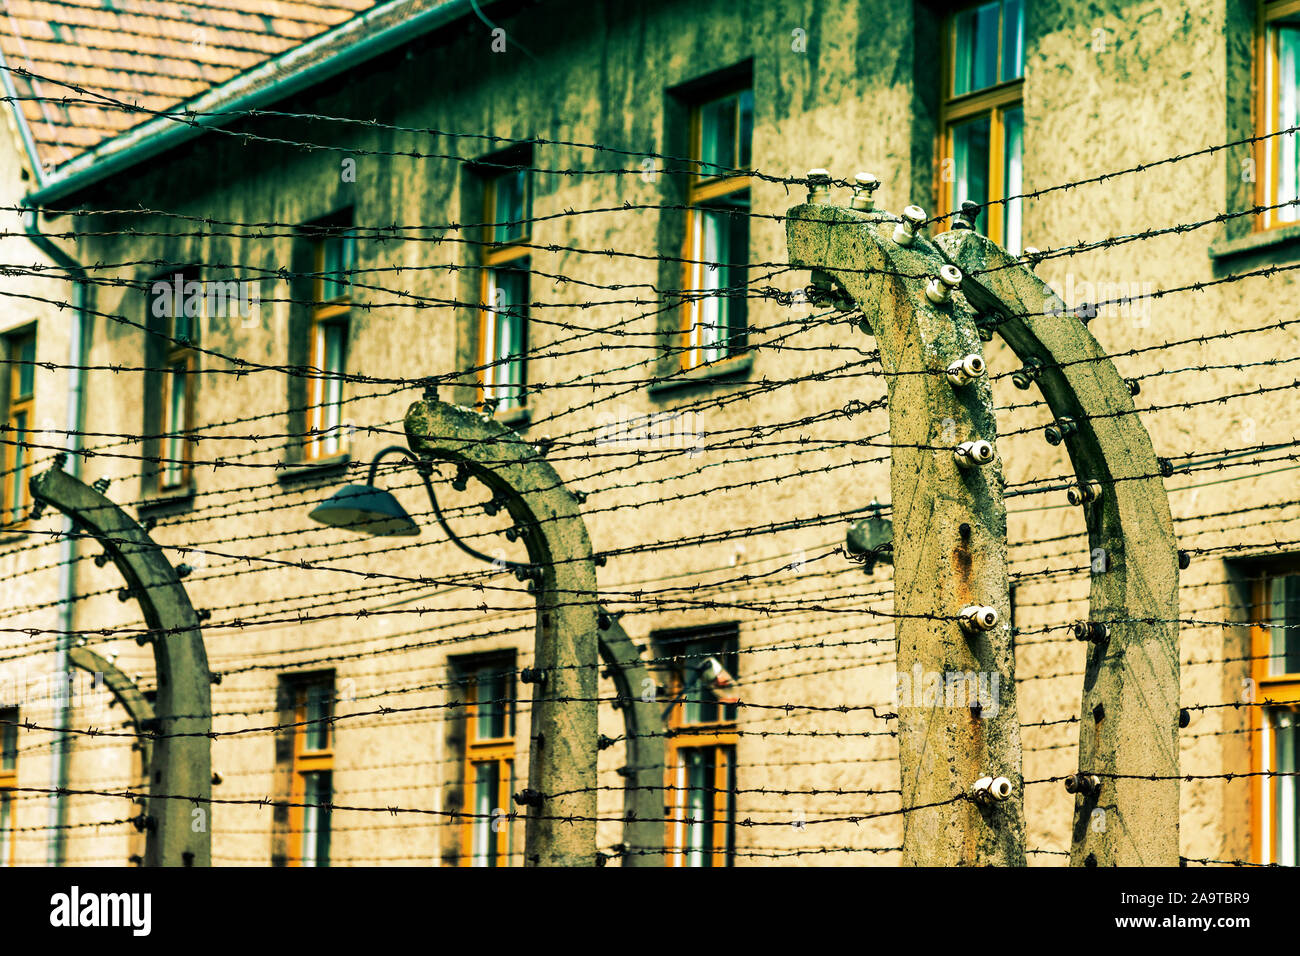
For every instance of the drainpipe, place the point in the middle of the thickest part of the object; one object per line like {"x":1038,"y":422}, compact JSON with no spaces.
{"x":78,"y":343}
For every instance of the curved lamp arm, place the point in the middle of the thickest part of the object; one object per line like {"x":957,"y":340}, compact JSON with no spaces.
{"x":426,"y":469}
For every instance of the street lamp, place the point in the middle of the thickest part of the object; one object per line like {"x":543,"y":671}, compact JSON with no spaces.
{"x":371,"y":510}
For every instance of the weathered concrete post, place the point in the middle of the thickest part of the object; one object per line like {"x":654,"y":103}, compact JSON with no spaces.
{"x":959,"y":751}
{"x":562,"y":751}
{"x":179,"y":831}
{"x":643,"y":776}
{"x":1129,"y":719}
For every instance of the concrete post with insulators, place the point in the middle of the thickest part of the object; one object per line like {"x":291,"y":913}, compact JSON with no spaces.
{"x":178,"y":831}
{"x":560,"y":827}
{"x":959,"y":751}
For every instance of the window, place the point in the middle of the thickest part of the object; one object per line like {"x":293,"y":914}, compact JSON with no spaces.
{"x":983,"y":119}
{"x":335,"y":261}
{"x":503,"y":319}
{"x":700,"y":752}
{"x":175,"y":308}
{"x":489,"y":773}
{"x":313,"y":771}
{"x":1278,"y":72}
{"x":716,"y":250}
{"x":20,"y":350}
{"x":1275,"y":670}
{"x":8,"y":781}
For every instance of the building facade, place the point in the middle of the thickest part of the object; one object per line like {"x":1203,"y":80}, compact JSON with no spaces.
{"x":570,"y":217}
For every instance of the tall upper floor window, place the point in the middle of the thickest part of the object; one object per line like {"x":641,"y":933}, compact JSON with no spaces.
{"x":1278,"y":78}
{"x":503,"y":318}
{"x":335,"y":250}
{"x":20,"y":413}
{"x":1275,"y":684}
{"x":982,"y":137}
{"x":489,"y":770}
{"x":716,"y":249}
{"x":175,"y":313}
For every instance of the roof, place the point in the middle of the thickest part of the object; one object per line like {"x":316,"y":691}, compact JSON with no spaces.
{"x":155,"y":54}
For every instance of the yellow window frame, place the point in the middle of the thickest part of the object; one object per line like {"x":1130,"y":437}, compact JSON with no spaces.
{"x":496,"y":255}
{"x":703,"y":189}
{"x":325,"y":314}
{"x":719,"y":736}
{"x":1268,"y":151}
{"x":306,"y":762}
{"x":1282,"y":690}
{"x":18,"y":404}
{"x":992,"y":101}
{"x":498,"y":750}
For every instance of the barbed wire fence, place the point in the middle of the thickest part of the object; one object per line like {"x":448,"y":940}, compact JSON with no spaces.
{"x":789,"y":460}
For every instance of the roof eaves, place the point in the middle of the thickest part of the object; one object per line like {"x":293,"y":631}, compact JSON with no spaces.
{"x":296,"y":69}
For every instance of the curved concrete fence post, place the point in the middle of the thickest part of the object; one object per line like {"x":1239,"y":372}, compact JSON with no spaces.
{"x":643,"y":775}
{"x":958,"y":731}
{"x":179,"y":831}
{"x":562,"y":741}
{"x":1129,"y":718}
{"x":140,"y":712}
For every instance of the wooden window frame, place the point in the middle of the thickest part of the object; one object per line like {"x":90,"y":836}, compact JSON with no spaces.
{"x":499,"y":256}
{"x":17,"y":404}
{"x":1282,"y":690}
{"x":9,"y":779}
{"x":700,"y":191}
{"x":326,"y":315}
{"x":993,"y":101}
{"x":498,"y":750}
{"x":1267,"y":152}
{"x":721,"y":737}
{"x":307,"y":762}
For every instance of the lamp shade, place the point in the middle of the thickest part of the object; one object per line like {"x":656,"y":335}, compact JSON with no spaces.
{"x":367,"y":509}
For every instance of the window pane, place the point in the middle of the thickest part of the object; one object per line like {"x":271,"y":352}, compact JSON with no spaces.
{"x":318,"y":707}
{"x":26,"y":373}
{"x":1287,"y":44}
{"x":1283,"y":787}
{"x":6,"y":827}
{"x":512,"y":204}
{"x":9,"y":740}
{"x":1012,"y":176}
{"x":699,"y":806}
{"x":18,"y":477}
{"x":339,"y":259}
{"x":718,"y":135}
{"x":976,"y":55}
{"x":746,"y":134}
{"x":330,"y":416}
{"x":486,"y":779}
{"x":1013,"y":40}
{"x":316,"y":819}
{"x":722,"y":248}
{"x":970,"y":153}
{"x":177,"y":424}
{"x":1284,"y":625}
{"x":494,"y":706}
{"x":505,"y":337}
